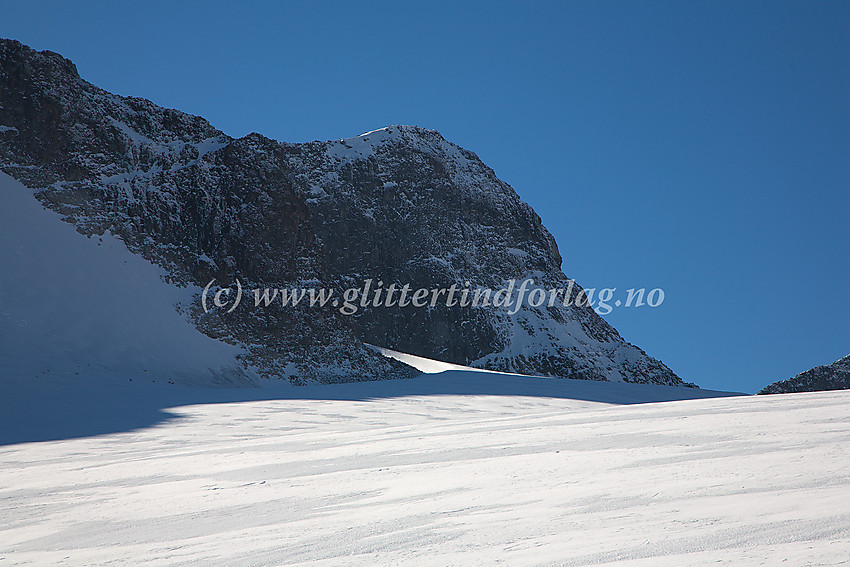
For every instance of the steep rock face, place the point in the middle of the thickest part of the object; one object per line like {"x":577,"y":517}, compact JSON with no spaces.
{"x":186,"y":197}
{"x":835,"y":376}
{"x":401,"y":205}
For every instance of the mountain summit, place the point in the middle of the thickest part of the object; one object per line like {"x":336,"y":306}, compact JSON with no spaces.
{"x":398,"y":205}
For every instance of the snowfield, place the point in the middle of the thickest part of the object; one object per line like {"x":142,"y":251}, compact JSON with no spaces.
{"x":354,"y":475}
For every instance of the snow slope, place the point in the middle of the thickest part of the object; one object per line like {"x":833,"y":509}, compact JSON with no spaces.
{"x":88,"y":308}
{"x":351,"y":474}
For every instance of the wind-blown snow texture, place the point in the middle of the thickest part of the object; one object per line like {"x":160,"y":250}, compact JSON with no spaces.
{"x":400,"y":204}
{"x":835,"y":376}
{"x":356,"y":474}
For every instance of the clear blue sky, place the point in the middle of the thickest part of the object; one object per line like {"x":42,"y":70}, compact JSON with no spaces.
{"x":700,"y":147}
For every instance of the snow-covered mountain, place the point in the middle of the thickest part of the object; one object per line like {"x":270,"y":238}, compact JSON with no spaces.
{"x":400,"y":204}
{"x":835,"y":376}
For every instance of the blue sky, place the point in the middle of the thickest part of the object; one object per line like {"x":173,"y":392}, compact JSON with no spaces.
{"x":699,"y":147}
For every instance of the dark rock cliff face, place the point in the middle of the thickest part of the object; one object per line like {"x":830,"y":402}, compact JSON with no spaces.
{"x":400,"y":205}
{"x":185,"y":196}
{"x":835,"y":376}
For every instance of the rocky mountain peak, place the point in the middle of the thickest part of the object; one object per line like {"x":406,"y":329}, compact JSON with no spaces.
{"x":399,"y":204}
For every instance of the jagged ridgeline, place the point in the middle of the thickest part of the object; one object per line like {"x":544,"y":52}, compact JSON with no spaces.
{"x":400,"y":204}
